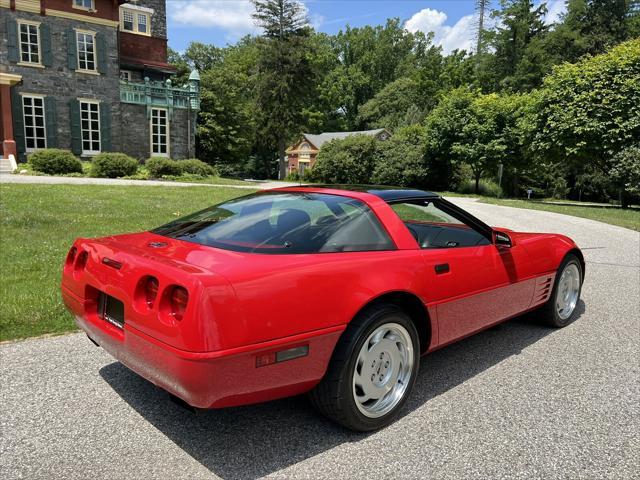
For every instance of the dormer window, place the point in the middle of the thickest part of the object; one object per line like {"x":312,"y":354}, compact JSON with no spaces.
{"x":84,"y":4}
{"x":135,"y":19}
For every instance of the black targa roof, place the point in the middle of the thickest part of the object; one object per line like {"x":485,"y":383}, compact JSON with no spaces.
{"x":388,"y":194}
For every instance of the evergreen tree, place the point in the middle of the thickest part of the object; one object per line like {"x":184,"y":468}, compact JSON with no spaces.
{"x":520,"y":26}
{"x":285,"y":76}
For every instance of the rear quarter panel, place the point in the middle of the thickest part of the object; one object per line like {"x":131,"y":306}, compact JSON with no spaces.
{"x":290,"y":294}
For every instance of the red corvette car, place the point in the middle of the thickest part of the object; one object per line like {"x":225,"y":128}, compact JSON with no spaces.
{"x":333,"y":290}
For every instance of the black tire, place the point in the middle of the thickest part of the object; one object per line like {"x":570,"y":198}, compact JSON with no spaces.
{"x":334,"y":396}
{"x":549,"y":312}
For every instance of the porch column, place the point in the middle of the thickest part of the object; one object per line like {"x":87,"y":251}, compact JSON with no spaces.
{"x":7,"y":80}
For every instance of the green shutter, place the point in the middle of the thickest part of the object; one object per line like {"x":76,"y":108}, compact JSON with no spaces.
{"x":101,"y":52}
{"x":105,"y":127}
{"x":72,"y":55}
{"x":45,"y":41}
{"x":18,"y":123}
{"x":12,"y":37}
{"x":76,"y":133}
{"x":51,"y":121}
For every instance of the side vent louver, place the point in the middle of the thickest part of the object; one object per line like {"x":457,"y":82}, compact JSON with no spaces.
{"x":543,"y":289}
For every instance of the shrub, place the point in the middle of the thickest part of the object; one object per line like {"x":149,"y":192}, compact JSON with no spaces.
{"x":54,"y":161}
{"x":401,"y":159}
{"x":160,"y":166}
{"x":349,"y":160}
{"x":293,"y":176}
{"x":485,"y":187}
{"x":197,"y":167}
{"x":113,"y":165}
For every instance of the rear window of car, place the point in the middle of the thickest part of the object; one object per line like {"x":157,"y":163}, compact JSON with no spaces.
{"x":284,"y":223}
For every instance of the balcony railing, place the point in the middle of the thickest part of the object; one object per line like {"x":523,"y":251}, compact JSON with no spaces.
{"x":160,"y":94}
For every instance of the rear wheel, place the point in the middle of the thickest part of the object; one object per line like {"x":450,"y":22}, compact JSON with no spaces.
{"x":560,"y":310}
{"x":372,"y":370}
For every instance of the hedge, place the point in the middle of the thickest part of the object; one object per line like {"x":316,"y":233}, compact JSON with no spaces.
{"x":55,"y":162}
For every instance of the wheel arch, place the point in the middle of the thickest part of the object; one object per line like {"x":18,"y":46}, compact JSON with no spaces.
{"x":412,"y":306}
{"x":578,"y":253}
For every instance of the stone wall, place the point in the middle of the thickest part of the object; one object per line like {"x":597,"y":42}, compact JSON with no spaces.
{"x":130,"y":125}
{"x":136,"y":135}
{"x":159,"y":19}
{"x":59,"y":81}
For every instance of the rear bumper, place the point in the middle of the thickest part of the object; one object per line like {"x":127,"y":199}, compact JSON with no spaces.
{"x":216,"y":379}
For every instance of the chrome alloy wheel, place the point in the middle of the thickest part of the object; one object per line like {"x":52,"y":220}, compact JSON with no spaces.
{"x":567,"y":291}
{"x":383,"y":370}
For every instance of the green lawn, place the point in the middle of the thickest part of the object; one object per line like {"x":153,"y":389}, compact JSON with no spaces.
{"x":614,"y":216}
{"x":38,"y":223}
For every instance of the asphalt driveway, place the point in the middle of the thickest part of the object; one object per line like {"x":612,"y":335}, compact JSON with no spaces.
{"x":517,"y":401}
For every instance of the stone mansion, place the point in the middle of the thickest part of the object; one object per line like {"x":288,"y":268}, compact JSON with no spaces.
{"x":92,"y":76}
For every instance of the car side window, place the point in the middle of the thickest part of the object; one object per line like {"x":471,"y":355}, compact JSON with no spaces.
{"x":432,"y":227}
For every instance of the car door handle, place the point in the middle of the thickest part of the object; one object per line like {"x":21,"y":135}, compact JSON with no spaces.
{"x":442,"y":268}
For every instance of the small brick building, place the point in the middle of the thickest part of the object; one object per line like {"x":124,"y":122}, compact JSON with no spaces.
{"x":302,"y":154}
{"x":92,"y":76}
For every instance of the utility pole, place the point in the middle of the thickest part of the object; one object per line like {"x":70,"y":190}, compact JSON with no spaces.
{"x":481,"y":6}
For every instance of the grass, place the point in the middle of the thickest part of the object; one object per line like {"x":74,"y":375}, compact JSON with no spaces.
{"x":613,"y":216}
{"x":38,"y":223}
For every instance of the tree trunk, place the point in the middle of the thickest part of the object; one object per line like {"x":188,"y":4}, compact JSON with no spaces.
{"x":478,"y":182}
{"x":624,"y":201}
{"x":282,"y":161}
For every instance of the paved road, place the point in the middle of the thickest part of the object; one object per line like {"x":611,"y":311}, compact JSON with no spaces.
{"x":517,"y":401}
{"x":43,"y":179}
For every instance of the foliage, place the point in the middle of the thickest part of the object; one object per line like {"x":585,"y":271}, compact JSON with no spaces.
{"x":368,"y":59}
{"x":194,"y":166}
{"x":113,"y":165}
{"x":389,"y":108}
{"x":161,"y":166}
{"x":285,"y":75}
{"x":520,"y":26}
{"x":226,"y":124}
{"x":348,"y":160}
{"x":400,"y":160}
{"x":625,"y":173}
{"x":486,"y":188}
{"x":260,"y":93}
{"x":589,"y":111}
{"x":443,"y":128}
{"x":54,"y":161}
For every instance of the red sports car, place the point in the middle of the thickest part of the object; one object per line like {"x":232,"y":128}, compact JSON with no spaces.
{"x":332,"y":290}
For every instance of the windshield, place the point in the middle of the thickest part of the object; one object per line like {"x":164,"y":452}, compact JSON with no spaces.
{"x":284,"y":223}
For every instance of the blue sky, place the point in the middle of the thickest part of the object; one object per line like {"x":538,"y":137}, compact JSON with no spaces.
{"x":224,"y":21}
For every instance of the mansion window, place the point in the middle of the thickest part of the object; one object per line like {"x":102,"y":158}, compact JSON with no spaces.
{"x":125,"y":75}
{"x":90,"y":126}
{"x":84,"y":4}
{"x":86,"y":45}
{"x":34,"y":122}
{"x":135,"y":20}
{"x":29,"y":42}
{"x":159,"y":132}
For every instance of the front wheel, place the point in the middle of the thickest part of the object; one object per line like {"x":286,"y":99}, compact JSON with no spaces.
{"x":560,"y":309}
{"x":372,"y":371}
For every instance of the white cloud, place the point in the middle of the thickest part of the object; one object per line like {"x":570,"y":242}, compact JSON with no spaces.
{"x":555,"y":8}
{"x":460,"y":36}
{"x":232,"y":16}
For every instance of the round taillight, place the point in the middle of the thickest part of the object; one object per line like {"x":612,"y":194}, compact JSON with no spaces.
{"x":178,"y":302}
{"x":71,"y":256}
{"x":82,"y":260}
{"x":151,"y":291}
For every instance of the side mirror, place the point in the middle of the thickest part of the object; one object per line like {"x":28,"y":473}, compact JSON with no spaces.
{"x":502,"y":239}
